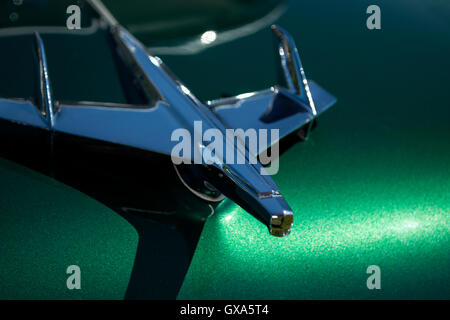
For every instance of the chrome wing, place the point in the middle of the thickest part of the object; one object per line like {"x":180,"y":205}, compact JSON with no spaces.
{"x":286,"y":108}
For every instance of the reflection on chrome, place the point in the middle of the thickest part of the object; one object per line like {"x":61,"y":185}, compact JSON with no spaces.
{"x":165,"y":104}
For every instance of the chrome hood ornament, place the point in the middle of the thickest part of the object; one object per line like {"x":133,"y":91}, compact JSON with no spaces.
{"x":291,"y":107}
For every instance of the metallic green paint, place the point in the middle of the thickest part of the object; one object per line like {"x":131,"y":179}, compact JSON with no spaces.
{"x":46,"y":226}
{"x":371,"y":186}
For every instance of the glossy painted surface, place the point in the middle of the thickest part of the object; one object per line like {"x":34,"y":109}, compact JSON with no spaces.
{"x":372,"y":186}
{"x":40,"y":240}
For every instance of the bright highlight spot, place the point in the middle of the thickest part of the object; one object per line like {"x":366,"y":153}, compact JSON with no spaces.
{"x":185,"y":90}
{"x":208,"y":37}
{"x":406,"y":225}
{"x":154,"y":60}
{"x":245,"y":95}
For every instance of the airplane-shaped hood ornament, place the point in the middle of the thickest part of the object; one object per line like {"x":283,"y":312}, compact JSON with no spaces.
{"x":290,"y":107}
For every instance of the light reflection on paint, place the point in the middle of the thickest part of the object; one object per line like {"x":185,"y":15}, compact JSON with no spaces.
{"x":208,"y":37}
{"x":232,"y":212}
{"x":333,"y":233}
{"x":405,"y":225}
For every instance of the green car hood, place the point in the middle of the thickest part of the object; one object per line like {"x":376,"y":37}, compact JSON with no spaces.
{"x":372,"y":184}
{"x":370,"y":187}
